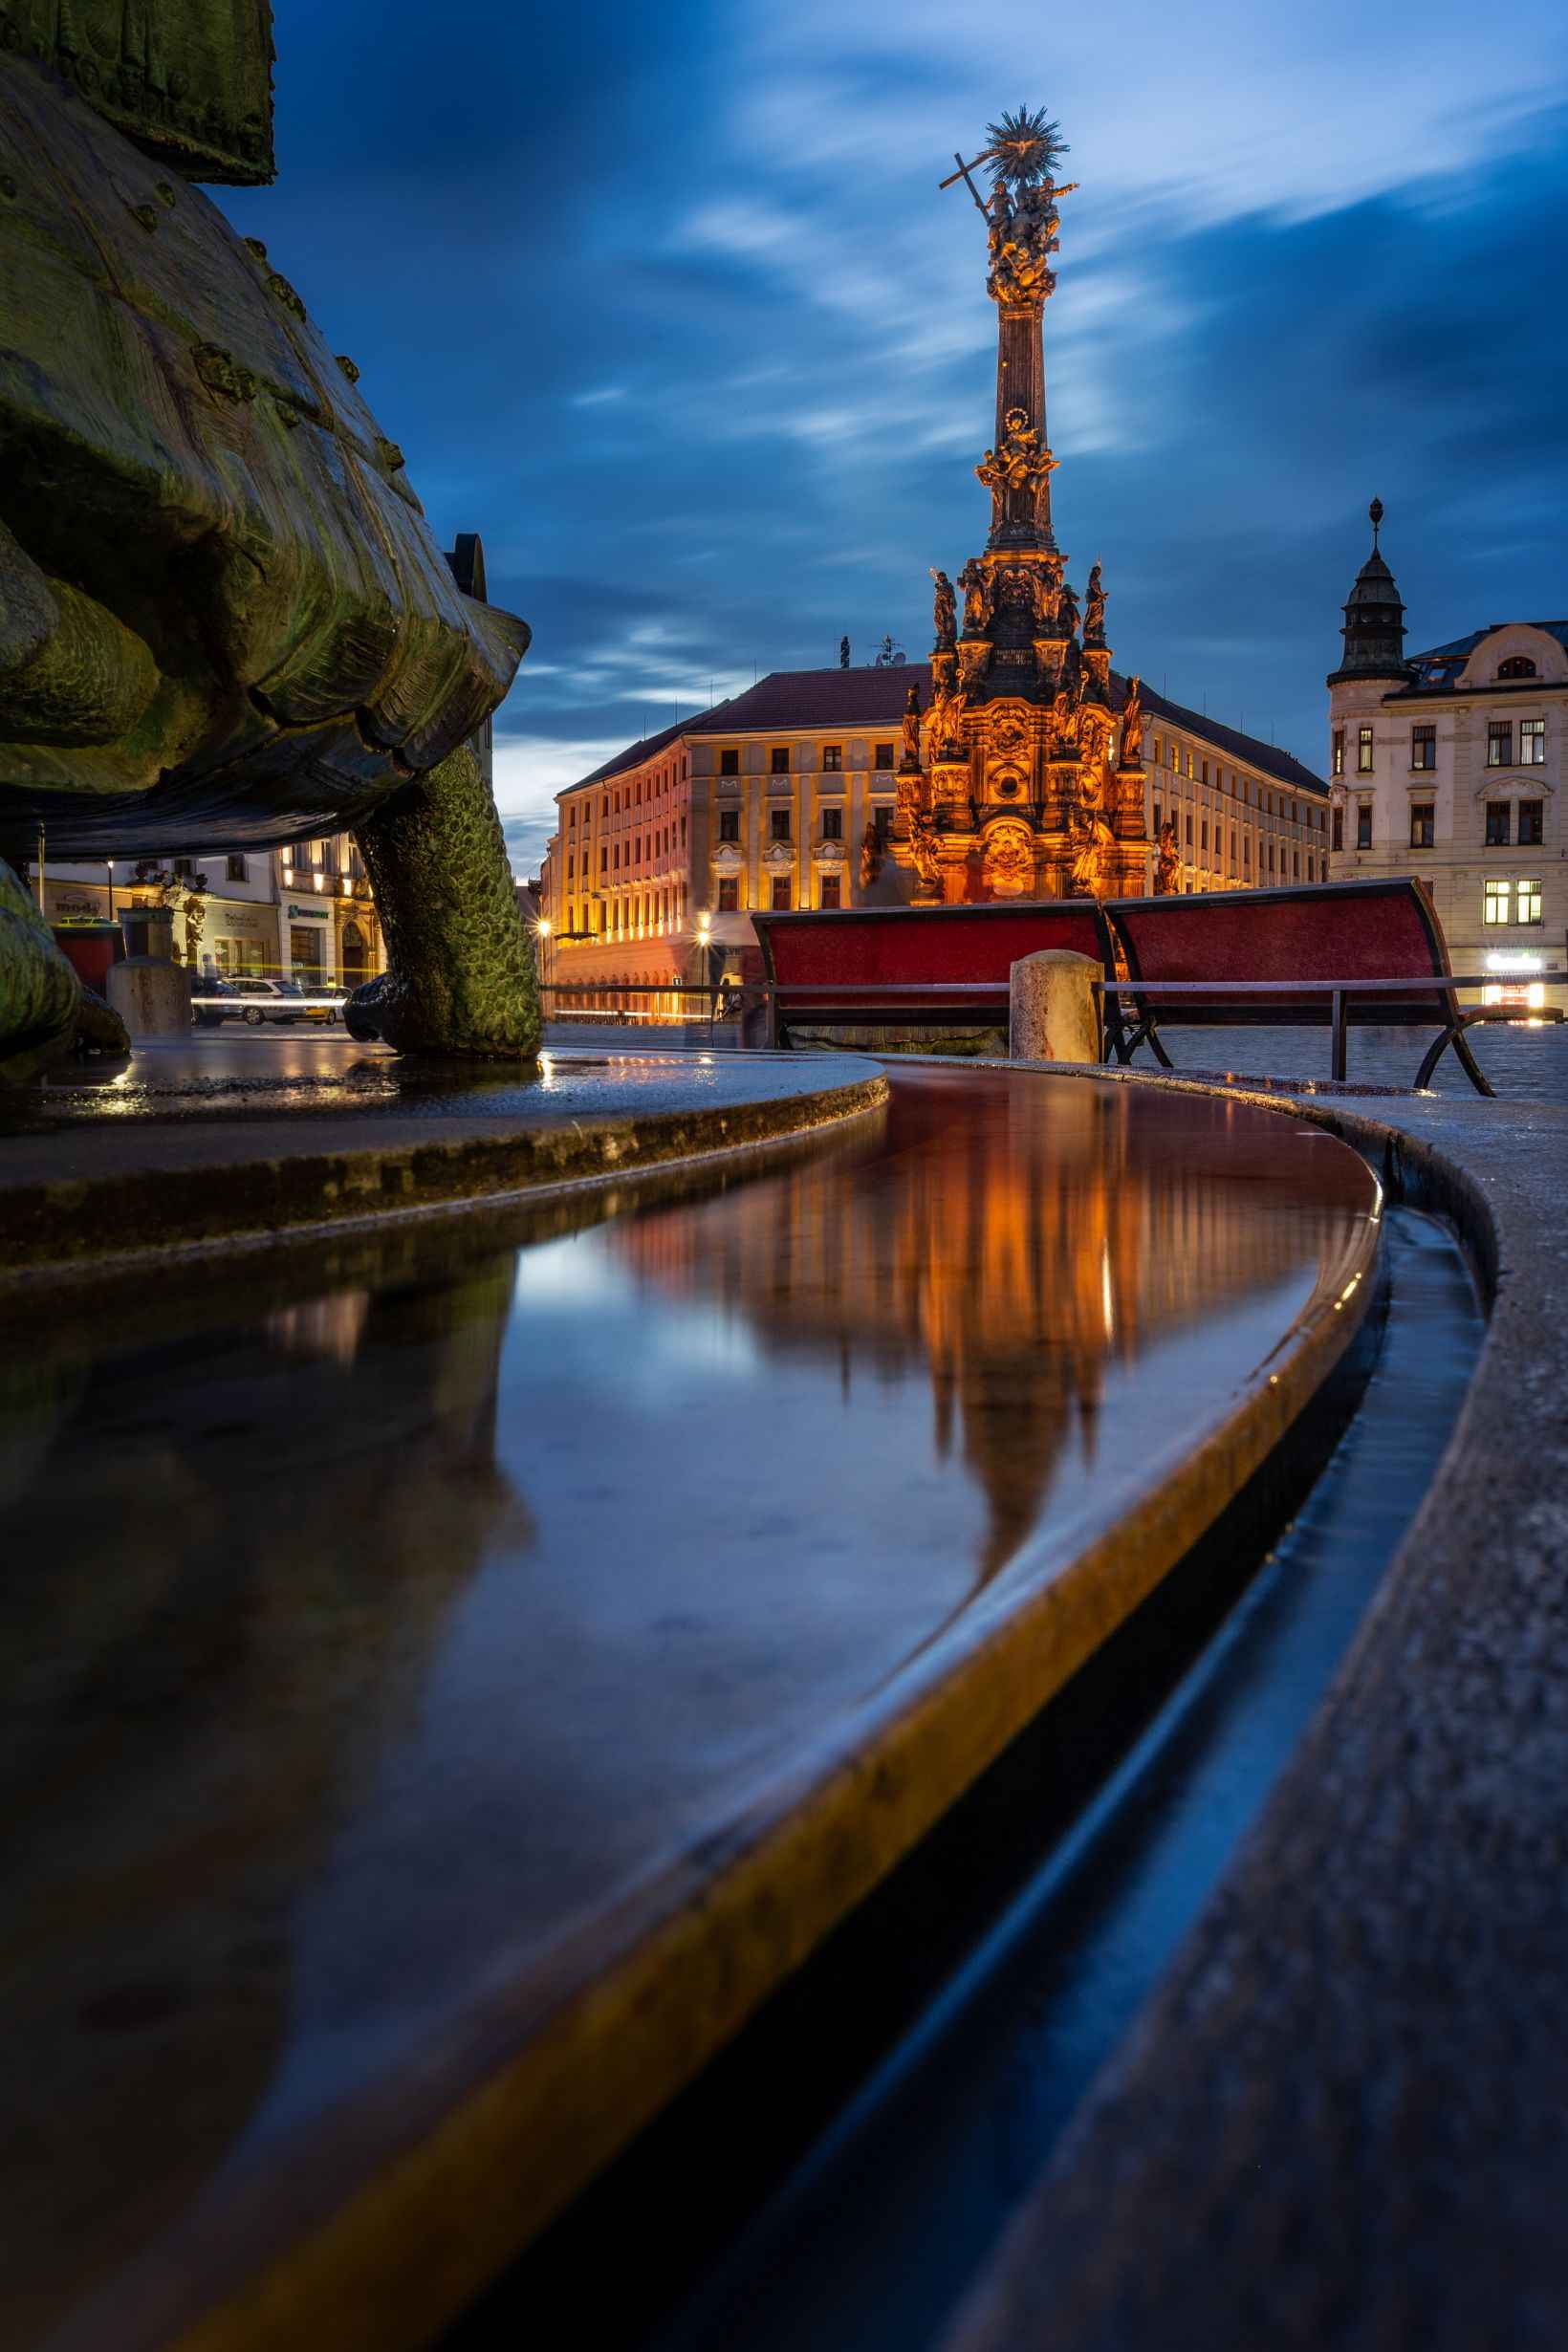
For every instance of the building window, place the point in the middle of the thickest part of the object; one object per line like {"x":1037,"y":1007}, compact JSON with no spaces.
{"x":1205,"y":777}
{"x":1421,"y":825}
{"x":832,"y":824}
{"x":1424,"y":746}
{"x":729,"y":763}
{"x":883,"y":756}
{"x":1530,"y":824}
{"x":1247,"y":854}
{"x":1499,"y":743}
{"x":1517,"y":665}
{"x":832,"y":759}
{"x":1233,"y":849}
{"x":728,"y":895}
{"x":1157,"y":820}
{"x":1528,"y":902}
{"x":1296,"y":864}
{"x":1336,"y":752}
{"x":781,"y":894}
{"x":1495,"y":901}
{"x":1337,"y":838}
{"x":1189,"y":828}
{"x":1532,"y":743}
{"x":780,"y":760}
{"x":237,"y":870}
{"x":1363,"y":824}
{"x":778,"y":824}
{"x":829,"y":892}
{"x":729,"y":824}
{"x":184,"y":868}
{"x":1499,"y":828}
{"x":1203,"y":832}
{"x":1363,"y":751}
{"x":882,"y":821}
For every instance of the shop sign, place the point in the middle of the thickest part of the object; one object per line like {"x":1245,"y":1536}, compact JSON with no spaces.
{"x":238,"y":919}
{"x":308,"y":914}
{"x":75,"y":902}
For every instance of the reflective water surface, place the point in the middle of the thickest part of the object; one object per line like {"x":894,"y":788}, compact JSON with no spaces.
{"x":372,"y":1623}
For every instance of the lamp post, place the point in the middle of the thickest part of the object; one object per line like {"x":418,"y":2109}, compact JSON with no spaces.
{"x":542,"y":933}
{"x":109,"y":870}
{"x":704,"y":927}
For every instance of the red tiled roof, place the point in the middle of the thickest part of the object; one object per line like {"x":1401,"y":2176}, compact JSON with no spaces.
{"x":855,"y":699}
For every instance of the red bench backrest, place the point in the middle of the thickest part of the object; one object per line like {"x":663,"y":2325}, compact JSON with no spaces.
{"x":863,"y":945}
{"x":1361,"y":930}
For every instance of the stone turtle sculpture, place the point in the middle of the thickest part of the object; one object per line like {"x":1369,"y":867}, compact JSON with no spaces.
{"x":224,"y":619}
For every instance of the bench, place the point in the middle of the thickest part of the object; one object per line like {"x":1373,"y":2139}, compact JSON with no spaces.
{"x":922,"y":967}
{"x":1334,"y":955}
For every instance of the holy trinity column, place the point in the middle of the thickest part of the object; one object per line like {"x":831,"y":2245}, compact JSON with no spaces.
{"x":1025,"y":780}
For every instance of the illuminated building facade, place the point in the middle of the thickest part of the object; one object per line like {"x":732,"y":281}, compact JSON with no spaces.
{"x":1448,"y":764}
{"x":767,"y":801}
{"x":305,"y":913}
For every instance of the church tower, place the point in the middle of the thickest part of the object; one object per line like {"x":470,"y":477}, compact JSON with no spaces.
{"x":1374,"y":622}
{"x":1022,"y":783}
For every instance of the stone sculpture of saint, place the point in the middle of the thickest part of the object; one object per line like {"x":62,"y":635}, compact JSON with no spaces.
{"x":976,"y":598}
{"x":1132,"y":723}
{"x":871,"y":855}
{"x":1067,"y":612}
{"x":911,"y":727}
{"x":945,"y":609}
{"x":1093,"y":611}
{"x":1167,"y":871}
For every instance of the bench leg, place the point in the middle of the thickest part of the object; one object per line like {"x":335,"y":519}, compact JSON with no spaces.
{"x":1164,"y":1059}
{"x":1340,"y":1035}
{"x":1455,"y":1036}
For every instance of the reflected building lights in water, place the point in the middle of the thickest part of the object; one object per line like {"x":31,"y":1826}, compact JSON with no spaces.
{"x":1012,"y":1295}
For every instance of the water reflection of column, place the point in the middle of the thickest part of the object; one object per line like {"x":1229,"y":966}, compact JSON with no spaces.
{"x":1010,"y":1239}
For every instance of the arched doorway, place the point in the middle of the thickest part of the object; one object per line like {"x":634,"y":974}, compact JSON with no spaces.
{"x":356,"y":956}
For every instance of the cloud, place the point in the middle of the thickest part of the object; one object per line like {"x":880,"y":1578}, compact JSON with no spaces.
{"x":665,"y":304}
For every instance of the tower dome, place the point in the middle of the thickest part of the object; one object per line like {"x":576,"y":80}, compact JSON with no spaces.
{"x":1374,"y":622}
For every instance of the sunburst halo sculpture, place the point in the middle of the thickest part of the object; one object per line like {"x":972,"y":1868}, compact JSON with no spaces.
{"x":1025,"y":147}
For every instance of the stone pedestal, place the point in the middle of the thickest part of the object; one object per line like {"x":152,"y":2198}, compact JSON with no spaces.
{"x":151,"y":996}
{"x":1054,"y":1013}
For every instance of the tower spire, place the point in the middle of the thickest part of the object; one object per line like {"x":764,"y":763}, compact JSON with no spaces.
{"x":1374,"y":617}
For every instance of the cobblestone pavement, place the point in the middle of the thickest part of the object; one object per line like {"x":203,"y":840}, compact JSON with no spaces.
{"x":1525,"y":1064}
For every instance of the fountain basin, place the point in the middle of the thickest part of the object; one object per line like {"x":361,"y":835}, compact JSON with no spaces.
{"x":478,"y":1661}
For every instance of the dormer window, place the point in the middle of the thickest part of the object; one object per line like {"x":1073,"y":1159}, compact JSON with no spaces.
{"x":1517,"y":665}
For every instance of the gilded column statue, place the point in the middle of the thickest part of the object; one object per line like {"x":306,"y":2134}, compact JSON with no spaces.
{"x":1026,"y":798}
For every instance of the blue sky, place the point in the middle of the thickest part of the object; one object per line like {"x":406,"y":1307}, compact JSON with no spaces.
{"x":665,"y":303}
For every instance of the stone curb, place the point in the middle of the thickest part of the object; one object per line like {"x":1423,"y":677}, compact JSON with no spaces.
{"x":219,"y":1184}
{"x":1342,"y":2120}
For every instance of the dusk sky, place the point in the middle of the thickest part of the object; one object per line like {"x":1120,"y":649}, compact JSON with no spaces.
{"x":665,"y":303}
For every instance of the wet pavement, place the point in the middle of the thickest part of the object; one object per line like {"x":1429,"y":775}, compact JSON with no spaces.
{"x":264,"y":1074}
{"x":413,"y":1628}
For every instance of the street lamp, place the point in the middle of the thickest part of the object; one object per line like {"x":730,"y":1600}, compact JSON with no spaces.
{"x":109,"y":869}
{"x":541,"y":932}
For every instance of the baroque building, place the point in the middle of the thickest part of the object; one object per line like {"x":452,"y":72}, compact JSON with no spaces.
{"x":1450,"y":765}
{"x":787,"y":797}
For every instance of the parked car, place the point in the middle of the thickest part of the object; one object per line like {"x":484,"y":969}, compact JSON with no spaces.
{"x":268,"y":1000}
{"x":209,"y":1005}
{"x":314,"y":992}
